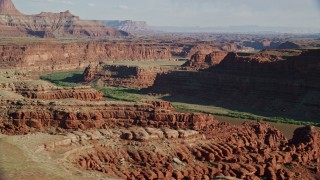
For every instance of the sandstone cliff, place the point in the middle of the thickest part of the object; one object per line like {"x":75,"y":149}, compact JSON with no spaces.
{"x":65,"y":54}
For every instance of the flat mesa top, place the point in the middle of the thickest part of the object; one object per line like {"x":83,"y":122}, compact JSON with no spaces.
{"x":158,"y":63}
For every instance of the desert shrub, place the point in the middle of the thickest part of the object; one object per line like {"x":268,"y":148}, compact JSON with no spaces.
{"x":120,"y":94}
{"x":64,"y":79}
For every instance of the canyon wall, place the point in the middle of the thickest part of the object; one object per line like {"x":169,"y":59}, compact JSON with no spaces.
{"x":56,"y":55}
{"x":277,"y":85}
{"x":65,"y":56}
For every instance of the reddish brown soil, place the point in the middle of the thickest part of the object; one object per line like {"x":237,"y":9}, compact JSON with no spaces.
{"x":253,"y":151}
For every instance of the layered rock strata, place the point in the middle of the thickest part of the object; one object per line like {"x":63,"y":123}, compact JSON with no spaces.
{"x":24,"y":116}
{"x":81,"y":93}
{"x":65,"y":56}
{"x":42,"y":90}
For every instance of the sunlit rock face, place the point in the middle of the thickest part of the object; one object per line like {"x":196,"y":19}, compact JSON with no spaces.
{"x":48,"y":25}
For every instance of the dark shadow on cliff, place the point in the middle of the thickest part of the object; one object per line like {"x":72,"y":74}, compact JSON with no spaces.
{"x":287,"y":89}
{"x":242,"y":111}
{"x":75,"y":78}
{"x":64,"y":79}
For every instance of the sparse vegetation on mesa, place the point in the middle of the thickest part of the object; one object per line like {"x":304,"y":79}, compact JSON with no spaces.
{"x":243,"y":115}
{"x":120,"y":94}
{"x":64,"y":79}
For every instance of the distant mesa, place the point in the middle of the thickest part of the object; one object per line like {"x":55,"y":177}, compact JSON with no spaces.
{"x":134,"y":27}
{"x":262,"y":44}
{"x":288,"y":45}
{"x":47,"y":24}
{"x":267,"y":44}
{"x":66,"y":14}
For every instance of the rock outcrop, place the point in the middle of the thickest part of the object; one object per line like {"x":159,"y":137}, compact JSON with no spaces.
{"x":45,"y":91}
{"x":306,"y":140}
{"x":81,"y":93}
{"x":64,"y":24}
{"x":202,"y":61}
{"x":123,"y":76}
